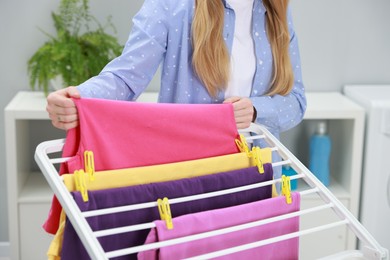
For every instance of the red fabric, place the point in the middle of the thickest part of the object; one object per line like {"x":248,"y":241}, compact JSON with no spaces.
{"x":125,"y":134}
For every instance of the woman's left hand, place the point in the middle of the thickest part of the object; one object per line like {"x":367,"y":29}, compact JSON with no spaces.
{"x":243,"y":111}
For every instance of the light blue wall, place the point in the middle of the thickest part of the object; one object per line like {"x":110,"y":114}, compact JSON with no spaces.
{"x":341,"y":42}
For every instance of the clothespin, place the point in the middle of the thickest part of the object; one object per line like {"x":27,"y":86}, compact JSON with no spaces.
{"x":243,"y":145}
{"x":89,"y":164}
{"x":81,"y":184}
{"x":256,"y":154}
{"x":165,"y":212}
{"x":286,"y":188}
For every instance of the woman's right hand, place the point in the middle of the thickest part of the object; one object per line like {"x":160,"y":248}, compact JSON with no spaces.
{"x":61,"y":108}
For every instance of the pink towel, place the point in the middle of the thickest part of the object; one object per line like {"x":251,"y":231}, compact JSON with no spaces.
{"x":125,"y":134}
{"x":221,"y":218}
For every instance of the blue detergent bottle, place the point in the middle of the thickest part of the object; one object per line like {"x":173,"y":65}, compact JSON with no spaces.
{"x":320,"y":148}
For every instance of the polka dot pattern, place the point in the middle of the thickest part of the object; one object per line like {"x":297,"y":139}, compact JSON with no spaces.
{"x":161,"y":36}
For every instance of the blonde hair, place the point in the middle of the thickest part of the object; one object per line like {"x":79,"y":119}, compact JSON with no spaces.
{"x":211,"y":61}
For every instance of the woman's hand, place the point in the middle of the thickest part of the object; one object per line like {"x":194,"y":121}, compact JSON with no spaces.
{"x":243,"y":111}
{"x":61,"y":108}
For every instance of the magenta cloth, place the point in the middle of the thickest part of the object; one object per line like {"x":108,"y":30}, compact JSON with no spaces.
{"x":125,"y":134}
{"x":221,"y":218}
{"x":73,"y":248}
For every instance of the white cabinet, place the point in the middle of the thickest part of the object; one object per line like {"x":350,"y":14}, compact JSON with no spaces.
{"x":346,"y":130}
{"x":29,"y":196}
{"x":375,"y":194}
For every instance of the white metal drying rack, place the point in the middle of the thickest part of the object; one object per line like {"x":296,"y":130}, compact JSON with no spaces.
{"x":370,"y":247}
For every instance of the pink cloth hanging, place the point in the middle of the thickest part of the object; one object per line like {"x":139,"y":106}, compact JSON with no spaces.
{"x":221,"y":218}
{"x":125,"y":134}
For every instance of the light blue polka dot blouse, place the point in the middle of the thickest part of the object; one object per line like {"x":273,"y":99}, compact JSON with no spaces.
{"x":161,"y":34}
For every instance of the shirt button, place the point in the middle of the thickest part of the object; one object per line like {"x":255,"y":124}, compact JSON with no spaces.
{"x":257,"y":34}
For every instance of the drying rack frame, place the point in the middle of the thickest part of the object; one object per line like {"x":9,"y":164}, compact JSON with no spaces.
{"x":370,"y":248}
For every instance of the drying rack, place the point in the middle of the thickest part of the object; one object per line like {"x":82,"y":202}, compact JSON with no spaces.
{"x":369,"y":247}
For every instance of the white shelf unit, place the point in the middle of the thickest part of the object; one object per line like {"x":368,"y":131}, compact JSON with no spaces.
{"x":346,"y":129}
{"x":29,"y":196}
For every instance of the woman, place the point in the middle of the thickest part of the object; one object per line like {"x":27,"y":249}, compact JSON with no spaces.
{"x":243,"y":52}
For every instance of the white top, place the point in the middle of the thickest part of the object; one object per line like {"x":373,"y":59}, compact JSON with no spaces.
{"x":242,"y":60}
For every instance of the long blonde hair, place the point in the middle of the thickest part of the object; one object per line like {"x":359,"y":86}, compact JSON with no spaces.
{"x":211,"y":61}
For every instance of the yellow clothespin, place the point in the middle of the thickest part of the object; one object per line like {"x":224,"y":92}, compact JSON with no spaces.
{"x":256,"y":154}
{"x":81,"y":184}
{"x":165,"y":212}
{"x":286,"y":188}
{"x":89,"y":164}
{"x":243,"y":145}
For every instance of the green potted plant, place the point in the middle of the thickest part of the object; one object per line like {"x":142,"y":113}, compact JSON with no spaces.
{"x":77,"y":51}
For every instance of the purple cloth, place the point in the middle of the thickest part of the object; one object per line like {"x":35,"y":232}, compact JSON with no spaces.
{"x":73,"y":248}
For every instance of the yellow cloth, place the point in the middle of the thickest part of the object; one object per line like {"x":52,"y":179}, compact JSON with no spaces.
{"x":274,"y":192}
{"x":156,"y":173}
{"x":54,"y":251}
{"x":167,"y":172}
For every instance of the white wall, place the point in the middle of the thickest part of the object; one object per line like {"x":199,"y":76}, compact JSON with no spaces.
{"x":341,"y":42}
{"x":20,"y":38}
